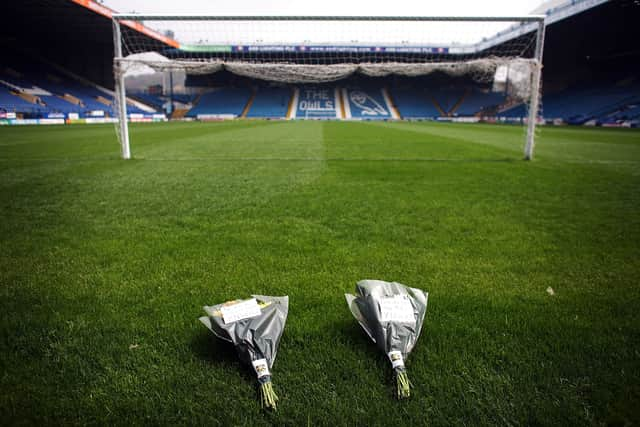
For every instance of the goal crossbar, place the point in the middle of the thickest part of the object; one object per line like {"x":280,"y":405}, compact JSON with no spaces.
{"x":162,"y":17}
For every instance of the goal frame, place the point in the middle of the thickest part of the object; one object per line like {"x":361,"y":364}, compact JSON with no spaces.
{"x":534,"y":102}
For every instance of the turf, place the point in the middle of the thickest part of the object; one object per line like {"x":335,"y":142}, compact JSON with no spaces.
{"x":105,"y":265}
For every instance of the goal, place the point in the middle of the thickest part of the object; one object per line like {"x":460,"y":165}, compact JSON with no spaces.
{"x":504,"y":53}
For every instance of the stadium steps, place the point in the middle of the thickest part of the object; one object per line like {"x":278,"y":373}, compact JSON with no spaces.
{"x":342,"y":100}
{"x":413,"y":103}
{"x":194,"y":104}
{"x":64,"y":100}
{"x":292,"y":102}
{"x":437,"y":105}
{"x":459,"y":102}
{"x":150,"y":100}
{"x":90,"y":91}
{"x":28,"y":97}
{"x":196,"y":100}
{"x":395,"y":113}
{"x":221,"y":103}
{"x":59,"y":90}
{"x":10,"y":102}
{"x":72,"y":99}
{"x":103,"y":100}
{"x":179,"y":113}
{"x":247,"y":107}
{"x":346,"y":113}
{"x":270,"y":103}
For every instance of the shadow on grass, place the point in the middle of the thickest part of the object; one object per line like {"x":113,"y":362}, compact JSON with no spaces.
{"x":360,"y":343}
{"x":378,"y":367}
{"x":213,"y":350}
{"x":354,"y":333}
{"x":220,"y":353}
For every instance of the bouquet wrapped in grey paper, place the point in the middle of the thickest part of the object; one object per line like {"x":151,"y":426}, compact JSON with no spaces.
{"x":392,"y":315}
{"x":255,"y":327}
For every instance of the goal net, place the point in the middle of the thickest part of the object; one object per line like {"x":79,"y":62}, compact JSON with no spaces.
{"x":502,"y":52}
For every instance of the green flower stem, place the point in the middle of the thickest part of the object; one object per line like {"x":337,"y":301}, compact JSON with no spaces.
{"x":403,"y":385}
{"x":268,"y":397}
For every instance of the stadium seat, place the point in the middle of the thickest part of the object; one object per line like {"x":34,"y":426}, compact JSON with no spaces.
{"x":414,"y":104}
{"x":367,"y":103}
{"x":477,"y":101}
{"x":582,"y":103}
{"x":270,"y":103}
{"x":15,"y":104}
{"x":316,"y":102}
{"x":226,"y":101}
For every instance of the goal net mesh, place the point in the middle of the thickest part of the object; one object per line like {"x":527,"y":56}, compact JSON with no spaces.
{"x":308,"y":51}
{"x":302,"y":50}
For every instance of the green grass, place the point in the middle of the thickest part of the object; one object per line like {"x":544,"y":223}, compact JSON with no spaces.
{"x":105,"y":265}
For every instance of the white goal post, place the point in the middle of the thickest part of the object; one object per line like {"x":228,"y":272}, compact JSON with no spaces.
{"x":505,"y":50}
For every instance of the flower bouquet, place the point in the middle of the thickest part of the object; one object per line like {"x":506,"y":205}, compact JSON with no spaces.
{"x":254,"y":326}
{"x":392,"y":315}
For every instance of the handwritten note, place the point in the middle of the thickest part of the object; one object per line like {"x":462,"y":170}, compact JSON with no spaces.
{"x":396,"y":309}
{"x":242,"y":310}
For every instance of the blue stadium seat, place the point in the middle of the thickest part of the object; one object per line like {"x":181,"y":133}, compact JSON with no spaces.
{"x":14,"y":104}
{"x":316,"y":102}
{"x":476,"y":100}
{"x":184,"y":98}
{"x":414,"y":104}
{"x":514,"y":112}
{"x":223,"y":101}
{"x":270,"y":103}
{"x":579,"y":104}
{"x":367,"y":103}
{"x":447,"y":97}
{"x":151,"y":100}
{"x":62,"y":85}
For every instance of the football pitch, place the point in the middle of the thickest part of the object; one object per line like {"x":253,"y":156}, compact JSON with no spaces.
{"x":532,"y":270}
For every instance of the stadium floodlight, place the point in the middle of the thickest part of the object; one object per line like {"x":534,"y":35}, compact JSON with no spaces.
{"x":318,"y":49}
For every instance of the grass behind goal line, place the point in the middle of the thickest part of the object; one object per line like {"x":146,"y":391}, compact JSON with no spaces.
{"x":105,"y":265}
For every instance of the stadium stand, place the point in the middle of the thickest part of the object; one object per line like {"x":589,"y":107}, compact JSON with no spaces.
{"x":581,"y":104}
{"x":478,"y":101}
{"x":11,"y":103}
{"x":414,"y":104}
{"x":222,"y":102}
{"x":367,"y":103}
{"x":579,"y":86}
{"x":181,"y":101}
{"x":51,"y":92}
{"x":604,"y":103}
{"x":628,"y":113}
{"x":515,"y":112}
{"x":448,"y":97}
{"x":270,"y":102}
{"x":185,"y":98}
{"x":148,"y":99}
{"x":316,"y":102}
